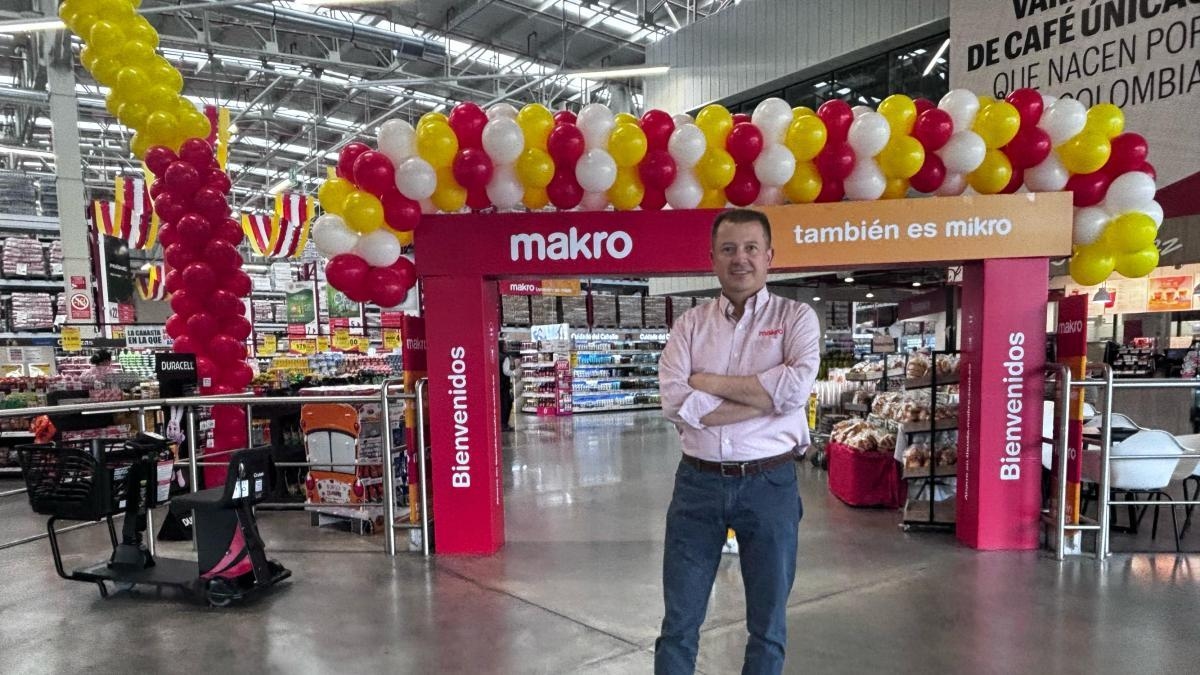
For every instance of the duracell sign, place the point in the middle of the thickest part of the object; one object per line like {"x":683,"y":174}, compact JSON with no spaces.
{"x":175,"y":367}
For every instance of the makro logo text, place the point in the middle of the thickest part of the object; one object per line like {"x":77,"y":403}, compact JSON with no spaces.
{"x":570,"y":245}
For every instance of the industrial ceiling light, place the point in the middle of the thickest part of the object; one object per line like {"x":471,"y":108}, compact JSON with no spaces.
{"x":916,"y":284}
{"x":849,"y":279}
{"x":26,"y":152}
{"x":816,"y":298}
{"x":936,"y":57}
{"x":30,"y":25}
{"x":281,"y":186}
{"x":870,"y":295}
{"x":1102,"y":295}
{"x":613,"y":73}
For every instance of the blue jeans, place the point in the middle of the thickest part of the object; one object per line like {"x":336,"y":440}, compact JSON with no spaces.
{"x":764,"y":510}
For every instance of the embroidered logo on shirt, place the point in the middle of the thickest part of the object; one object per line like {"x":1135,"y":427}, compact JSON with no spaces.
{"x":770,"y":333}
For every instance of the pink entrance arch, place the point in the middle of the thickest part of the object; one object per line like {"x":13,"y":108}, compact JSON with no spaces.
{"x":1002,"y":338}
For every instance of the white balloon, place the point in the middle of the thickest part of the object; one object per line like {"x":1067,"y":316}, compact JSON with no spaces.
{"x":332,"y":236}
{"x":681,"y":119}
{"x":772,"y":116}
{"x":963,"y":153}
{"x":427,"y":207}
{"x":687,"y":145}
{"x":1049,"y":176}
{"x":503,"y":140}
{"x":1155,"y":211}
{"x":596,"y":122}
{"x":594,"y":201}
{"x":769,"y":196}
{"x":596,"y":171}
{"x":860,"y":110}
{"x":1129,"y":192}
{"x":866,"y":182}
{"x":416,"y":178}
{"x":379,"y":248}
{"x":502,"y":111}
{"x":952,"y":186}
{"x":1089,"y":225}
{"x":1063,"y":120}
{"x":869,"y":134}
{"x":397,"y":140}
{"x":962,"y":105}
{"x":775,"y":165}
{"x":1047,"y":101}
{"x":505,"y":189}
{"x":685,"y":192}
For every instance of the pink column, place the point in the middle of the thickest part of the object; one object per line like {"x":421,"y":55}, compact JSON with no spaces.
{"x":1003,"y":343}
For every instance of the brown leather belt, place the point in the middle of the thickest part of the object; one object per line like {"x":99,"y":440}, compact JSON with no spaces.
{"x":739,"y":469}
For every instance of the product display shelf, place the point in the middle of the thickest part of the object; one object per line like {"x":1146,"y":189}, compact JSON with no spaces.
{"x":545,"y":378}
{"x":924,"y":510}
{"x":614,"y":374}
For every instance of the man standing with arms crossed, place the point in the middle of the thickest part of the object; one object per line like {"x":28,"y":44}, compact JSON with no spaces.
{"x":735,"y":379}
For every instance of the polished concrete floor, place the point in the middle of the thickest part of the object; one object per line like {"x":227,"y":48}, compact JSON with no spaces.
{"x":577,"y":589}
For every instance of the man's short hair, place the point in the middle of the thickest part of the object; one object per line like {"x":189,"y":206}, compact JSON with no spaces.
{"x":743,"y":216}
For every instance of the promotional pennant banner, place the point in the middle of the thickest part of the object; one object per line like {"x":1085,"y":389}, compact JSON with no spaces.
{"x":284,"y":233}
{"x":152,"y":286}
{"x":130,"y":217}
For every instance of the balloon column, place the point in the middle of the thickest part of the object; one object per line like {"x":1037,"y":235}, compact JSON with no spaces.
{"x":964,"y":144}
{"x":190,"y":197}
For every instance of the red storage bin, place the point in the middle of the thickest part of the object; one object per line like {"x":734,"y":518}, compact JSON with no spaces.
{"x":864,"y":478}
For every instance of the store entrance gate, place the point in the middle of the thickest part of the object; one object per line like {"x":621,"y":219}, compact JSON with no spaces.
{"x":1003,"y":242}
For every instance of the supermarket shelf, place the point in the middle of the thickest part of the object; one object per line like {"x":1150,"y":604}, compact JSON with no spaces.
{"x":614,"y":365}
{"x":32,"y":284}
{"x":538,"y":380}
{"x":608,"y":392}
{"x":268,"y":294}
{"x":857,"y":407}
{"x":10,"y":471}
{"x":916,"y":513}
{"x":641,"y":378}
{"x":618,"y":351}
{"x":648,"y":406}
{"x":872,"y":377}
{"x":539,"y":394}
{"x":918,"y":473}
{"x":261,"y":326}
{"x":926,"y":382}
{"x":48,"y":336}
{"x":923,"y":427}
{"x":18,"y":223}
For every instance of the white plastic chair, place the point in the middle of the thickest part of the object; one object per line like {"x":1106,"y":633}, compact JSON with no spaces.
{"x":1145,"y":477}
{"x":1089,"y":412}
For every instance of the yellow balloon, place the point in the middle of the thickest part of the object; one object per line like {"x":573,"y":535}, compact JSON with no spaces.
{"x":133,"y":81}
{"x":405,"y":238}
{"x":1105,"y":119}
{"x":432,"y":117}
{"x":716,"y":169}
{"x":138,"y":145}
{"x":627,"y":145}
{"x":903,"y":157}
{"x":806,"y":137}
{"x":1091,"y":265}
{"x":133,"y":114}
{"x":106,"y":36}
{"x":535,"y":168}
{"x":362,"y":212}
{"x":627,"y":190}
{"x":802,"y":111}
{"x":194,"y":124}
{"x":333,"y":193}
{"x":1085,"y":152}
{"x":140,"y":30}
{"x":163,"y":73}
{"x":624,"y":118}
{"x":536,"y":121}
{"x":1129,"y":233}
{"x":985,"y":101}
{"x":106,"y":69}
{"x":900,"y":112}
{"x":992,"y":175}
{"x":161,"y":97}
{"x":713,"y":199}
{"x":804,"y":185}
{"x":448,"y":196}
{"x":897,"y":188}
{"x":716,"y":122}
{"x":113,"y":103}
{"x":136,"y":53}
{"x":88,"y":58}
{"x":437,"y":144}
{"x":1139,"y":263}
{"x":536,"y":199}
{"x":161,"y":127}
{"x":998,"y":124}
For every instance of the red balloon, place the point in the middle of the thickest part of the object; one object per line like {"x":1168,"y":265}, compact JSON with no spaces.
{"x":407,"y":270}
{"x":658,"y":125}
{"x":186,"y":304}
{"x":931,"y":175}
{"x":223,"y":257}
{"x":237,"y":327}
{"x":173,"y":281}
{"x":1014,"y":183}
{"x":472,"y":168}
{"x":923,"y":104}
{"x":1147,"y":167}
{"x":225,"y":350}
{"x":741,"y":118}
{"x":744,"y":143}
{"x":831,"y":191}
{"x":182,"y":177}
{"x":167,"y":235}
{"x":236,"y":377}
{"x":837,"y":116}
{"x":179,"y":255}
{"x":176,"y":326}
{"x":744,"y":188}
{"x":348,"y":274}
{"x":229,"y":230}
{"x":1028,"y":103}
{"x":1129,"y":151}
{"x":184,"y":344}
{"x":387,"y":287}
{"x":933,"y":129}
{"x":1028,"y":148}
{"x":193,"y":230}
{"x":835,"y":162}
{"x":565,"y":145}
{"x":218,"y":180}
{"x":1089,"y":188}
{"x":347,"y":157}
{"x":654,"y":199}
{"x":159,"y":158}
{"x":564,"y":191}
{"x":657,"y":169}
{"x":467,"y":120}
{"x":201,"y":326}
{"x":373,"y":172}
{"x":399,"y":212}
{"x":478,"y":199}
{"x":211,"y":204}
{"x":171,"y":206}
{"x":237,"y":283}
{"x":205,"y":369}
{"x":564,"y":117}
{"x":158,"y":188}
{"x":198,"y":278}
{"x":224,"y":304}
{"x":197,"y":151}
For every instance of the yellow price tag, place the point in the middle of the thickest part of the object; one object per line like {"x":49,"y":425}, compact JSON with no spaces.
{"x":322,"y":343}
{"x":391,"y":338}
{"x":341,"y":338}
{"x":270,"y":345}
{"x":360,"y":342}
{"x":71,"y":340}
{"x":304,"y":346}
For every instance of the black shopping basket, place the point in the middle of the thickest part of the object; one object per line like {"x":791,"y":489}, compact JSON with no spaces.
{"x":76,"y":480}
